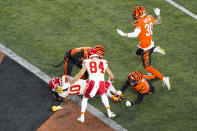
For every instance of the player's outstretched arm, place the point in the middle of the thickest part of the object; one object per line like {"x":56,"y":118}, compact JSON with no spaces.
{"x":158,"y":20}
{"x":137,"y":101}
{"x":132,"y":34}
{"x":79,"y":75}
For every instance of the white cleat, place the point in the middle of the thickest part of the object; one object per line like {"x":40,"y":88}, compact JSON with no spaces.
{"x":111,"y":115}
{"x":166,"y":81}
{"x":81,"y":119}
{"x":158,"y":49}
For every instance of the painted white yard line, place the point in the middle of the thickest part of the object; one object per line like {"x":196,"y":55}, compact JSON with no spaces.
{"x":182,"y":8}
{"x":46,"y":79}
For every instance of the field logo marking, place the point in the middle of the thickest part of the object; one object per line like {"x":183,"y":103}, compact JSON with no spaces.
{"x":182,"y":8}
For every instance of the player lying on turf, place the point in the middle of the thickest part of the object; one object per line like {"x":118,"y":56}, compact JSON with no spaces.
{"x":141,"y":84}
{"x":79,"y":87}
{"x":96,"y":68}
{"x":143,"y":30}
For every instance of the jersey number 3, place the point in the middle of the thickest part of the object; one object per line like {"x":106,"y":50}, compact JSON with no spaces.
{"x":149,"y":27}
{"x":93,"y":67}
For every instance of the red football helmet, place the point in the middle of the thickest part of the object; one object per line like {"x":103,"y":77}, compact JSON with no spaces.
{"x":55,"y":82}
{"x":138,"y":12}
{"x":93,"y":52}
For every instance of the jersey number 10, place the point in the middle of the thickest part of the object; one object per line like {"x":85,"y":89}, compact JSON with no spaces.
{"x":93,"y":67}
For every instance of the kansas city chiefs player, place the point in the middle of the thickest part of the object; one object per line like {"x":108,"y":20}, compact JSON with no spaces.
{"x":79,"y":87}
{"x":96,"y":68}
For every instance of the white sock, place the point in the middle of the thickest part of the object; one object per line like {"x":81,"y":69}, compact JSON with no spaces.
{"x":84,"y":103}
{"x":106,"y":102}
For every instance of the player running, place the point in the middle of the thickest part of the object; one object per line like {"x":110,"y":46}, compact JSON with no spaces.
{"x":140,"y":83}
{"x":96,"y":68}
{"x":143,"y":30}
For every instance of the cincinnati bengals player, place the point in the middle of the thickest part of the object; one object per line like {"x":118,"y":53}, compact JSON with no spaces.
{"x":143,"y":30}
{"x":141,"y":84}
{"x":76,"y":56}
{"x":96,"y":68}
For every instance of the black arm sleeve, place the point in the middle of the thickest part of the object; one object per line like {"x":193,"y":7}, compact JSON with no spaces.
{"x":138,"y":100}
{"x":125,"y":86}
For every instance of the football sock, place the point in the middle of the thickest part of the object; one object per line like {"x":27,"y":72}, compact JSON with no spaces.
{"x":154,"y":72}
{"x":151,"y":77}
{"x":105,"y":100}
{"x":84,"y":103}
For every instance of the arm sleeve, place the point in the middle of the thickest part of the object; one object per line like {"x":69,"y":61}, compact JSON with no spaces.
{"x":125,"y":86}
{"x":138,"y":100}
{"x":134,"y":34}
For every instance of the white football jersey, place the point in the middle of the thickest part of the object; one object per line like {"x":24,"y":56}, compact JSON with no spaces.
{"x":77,"y":88}
{"x":80,"y":86}
{"x":96,"y":68}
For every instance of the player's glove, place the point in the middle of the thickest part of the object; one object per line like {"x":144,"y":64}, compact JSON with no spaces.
{"x":128,"y":103}
{"x":157,"y":11}
{"x":59,"y":89}
{"x":119,"y":92}
{"x":120,"y":32}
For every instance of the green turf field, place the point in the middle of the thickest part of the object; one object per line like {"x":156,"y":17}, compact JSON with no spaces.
{"x":42,"y":30}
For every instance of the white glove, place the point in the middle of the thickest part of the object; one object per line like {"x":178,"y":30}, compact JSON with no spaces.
{"x":128,"y":103}
{"x":119,"y":92}
{"x":65,"y":86}
{"x":157,"y":11}
{"x":120,"y":32}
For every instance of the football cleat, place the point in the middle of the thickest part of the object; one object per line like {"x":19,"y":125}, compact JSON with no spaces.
{"x":115,"y":99}
{"x":55,"y":108}
{"x":111,"y":114}
{"x":158,"y":49}
{"x":166,"y":81}
{"x":81,"y":119}
{"x":121,"y":96}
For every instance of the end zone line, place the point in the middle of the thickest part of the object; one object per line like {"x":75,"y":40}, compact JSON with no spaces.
{"x":46,"y":79}
{"x":182,"y":8}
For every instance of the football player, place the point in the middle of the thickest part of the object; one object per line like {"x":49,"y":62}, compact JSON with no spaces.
{"x":79,"y":87}
{"x":96,"y":68}
{"x":76,"y":57}
{"x":141,"y":84}
{"x":143,"y":30}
